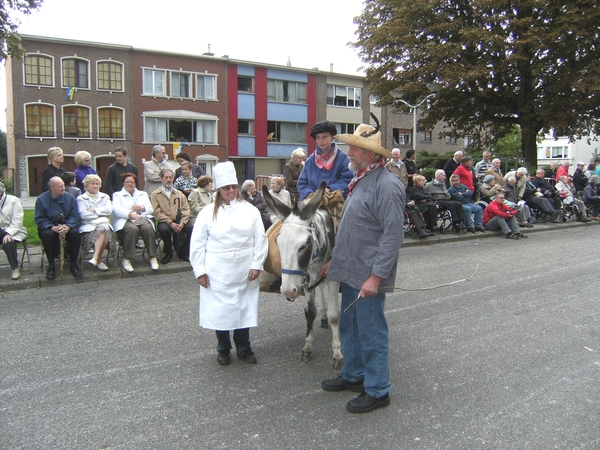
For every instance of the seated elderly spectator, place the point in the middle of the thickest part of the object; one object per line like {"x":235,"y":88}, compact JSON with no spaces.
{"x":397,"y":167}
{"x":277,"y":191}
{"x":172,"y":211}
{"x":511,"y":194}
{"x":200,"y":197}
{"x":57,"y":218}
{"x":70,"y":180}
{"x":546,"y":189}
{"x":567,"y":193}
{"x":83,"y":160}
{"x":499,"y":216}
{"x":424,"y":202}
{"x":416,"y":218}
{"x":96,"y":231}
{"x":490,"y":188}
{"x":251,"y":195}
{"x":522,"y":176}
{"x":186,"y":183}
{"x":534,"y":198}
{"x":466,"y":173}
{"x":132,"y":217}
{"x":591,"y":196}
{"x":11,"y":229}
{"x":439,"y":192}
{"x":473,"y":213}
{"x":580,"y":180}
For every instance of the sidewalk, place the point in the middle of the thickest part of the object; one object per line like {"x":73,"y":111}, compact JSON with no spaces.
{"x":37,"y":280}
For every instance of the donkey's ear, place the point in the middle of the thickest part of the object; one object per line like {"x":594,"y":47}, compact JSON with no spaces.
{"x":278,"y":208}
{"x":311,"y":207}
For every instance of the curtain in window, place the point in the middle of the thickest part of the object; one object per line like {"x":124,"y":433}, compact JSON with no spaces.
{"x":205,"y":132}
{"x":288,"y":132}
{"x":206,"y":87}
{"x":156,"y":130}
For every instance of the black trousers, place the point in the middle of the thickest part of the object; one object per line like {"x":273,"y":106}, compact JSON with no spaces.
{"x":241,"y":337}
{"x":455,"y":208}
{"x":168,"y":235}
{"x":10,"y":248}
{"x":51,"y":242}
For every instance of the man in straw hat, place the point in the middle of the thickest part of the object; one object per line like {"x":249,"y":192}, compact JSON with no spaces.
{"x":364,"y":260}
{"x":328,"y":163}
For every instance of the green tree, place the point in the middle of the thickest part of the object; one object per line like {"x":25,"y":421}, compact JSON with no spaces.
{"x":10,"y":41}
{"x":532,"y":63}
{"x":3,"y":149}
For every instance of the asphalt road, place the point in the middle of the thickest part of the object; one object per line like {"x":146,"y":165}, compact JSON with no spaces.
{"x":507,"y":360}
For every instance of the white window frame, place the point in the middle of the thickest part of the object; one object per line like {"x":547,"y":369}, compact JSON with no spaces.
{"x":110,"y":61}
{"x":77,"y":105}
{"x":200,"y":91}
{"x":177,"y":92}
{"x":98,"y":123}
{"x":25,"y":105}
{"x":76,"y":58}
{"x":153,"y":92}
{"x":43,"y":55}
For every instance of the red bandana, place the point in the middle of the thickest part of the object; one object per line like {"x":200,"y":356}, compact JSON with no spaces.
{"x":363,"y":173}
{"x":325,"y":161}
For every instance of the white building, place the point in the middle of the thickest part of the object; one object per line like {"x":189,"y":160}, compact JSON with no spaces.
{"x":561,"y":149}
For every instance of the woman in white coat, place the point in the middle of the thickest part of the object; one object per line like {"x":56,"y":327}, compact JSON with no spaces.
{"x":132,"y":217}
{"x":95,"y":209}
{"x":227,"y":252}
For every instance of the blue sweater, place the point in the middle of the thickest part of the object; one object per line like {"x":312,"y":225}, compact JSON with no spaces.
{"x":47,"y":207}
{"x":337,"y":178}
{"x":81,"y":172}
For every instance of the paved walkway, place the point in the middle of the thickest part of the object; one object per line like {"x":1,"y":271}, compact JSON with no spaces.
{"x":37,"y":279}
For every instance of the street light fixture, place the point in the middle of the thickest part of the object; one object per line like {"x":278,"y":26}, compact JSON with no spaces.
{"x":399,"y":93}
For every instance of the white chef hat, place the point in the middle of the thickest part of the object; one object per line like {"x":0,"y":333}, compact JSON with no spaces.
{"x":224,"y":174}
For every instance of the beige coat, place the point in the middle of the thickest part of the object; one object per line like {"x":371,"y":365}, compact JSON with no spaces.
{"x":400,"y":172}
{"x":11,"y":217}
{"x":165,"y":208}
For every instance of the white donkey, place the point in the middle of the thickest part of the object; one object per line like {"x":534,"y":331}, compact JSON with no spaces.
{"x":305,"y":243}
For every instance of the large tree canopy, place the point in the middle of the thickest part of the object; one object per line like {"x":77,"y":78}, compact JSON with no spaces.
{"x":10,"y":41}
{"x":533,"y":63}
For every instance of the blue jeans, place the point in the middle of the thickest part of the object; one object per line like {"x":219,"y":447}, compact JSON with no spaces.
{"x":365,"y":342}
{"x":476,"y":211}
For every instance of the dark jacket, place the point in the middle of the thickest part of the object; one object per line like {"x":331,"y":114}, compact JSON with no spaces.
{"x":580,"y":181}
{"x":259,"y":202}
{"x":50,"y":172}
{"x":47,"y":208}
{"x":419,"y":195}
{"x":114,"y":178}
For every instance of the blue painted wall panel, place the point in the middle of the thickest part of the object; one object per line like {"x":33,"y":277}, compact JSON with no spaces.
{"x":287,"y":75}
{"x":246,"y":109}
{"x":246,"y":70}
{"x":283,"y":150}
{"x":284,"y":112}
{"x":246,"y":146}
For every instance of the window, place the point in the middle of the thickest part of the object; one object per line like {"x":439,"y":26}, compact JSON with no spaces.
{"x":402,"y":136}
{"x":425,"y":136}
{"x":180,"y":85}
{"x":286,"y":91}
{"x":110,"y":76}
{"x":245,"y":84}
{"x":451,"y":139}
{"x":205,"y":87}
{"x":76,"y":121}
{"x":201,"y":131}
{"x":154,"y":82}
{"x":75,"y":73}
{"x":344,"y":96}
{"x":560,"y":152}
{"x":39,"y":120}
{"x":245,"y":126}
{"x":38,"y":70}
{"x":110,"y":123}
{"x":288,"y":131}
{"x":346,"y":128}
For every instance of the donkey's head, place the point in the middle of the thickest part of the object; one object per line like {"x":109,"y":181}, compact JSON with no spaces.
{"x":296,"y":240}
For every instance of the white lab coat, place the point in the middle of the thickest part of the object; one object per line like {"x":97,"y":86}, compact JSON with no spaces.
{"x":226,"y":250}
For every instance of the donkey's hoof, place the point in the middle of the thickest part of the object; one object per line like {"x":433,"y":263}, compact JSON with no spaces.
{"x":306,"y":356}
{"x":324,"y":323}
{"x":338,"y":363}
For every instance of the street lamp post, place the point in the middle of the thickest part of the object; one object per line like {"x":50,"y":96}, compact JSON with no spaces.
{"x":399,"y":93}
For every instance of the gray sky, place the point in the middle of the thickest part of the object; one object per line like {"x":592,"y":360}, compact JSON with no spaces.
{"x":311,"y":33}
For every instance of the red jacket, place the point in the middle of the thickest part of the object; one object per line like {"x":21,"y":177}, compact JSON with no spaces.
{"x":466,"y":176}
{"x":497,"y":209}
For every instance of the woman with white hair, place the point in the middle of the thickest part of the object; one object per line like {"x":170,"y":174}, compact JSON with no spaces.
{"x":84,"y":168}
{"x":55,"y":168}
{"x":292,"y":172}
{"x":251,"y":195}
{"x":95,"y":209}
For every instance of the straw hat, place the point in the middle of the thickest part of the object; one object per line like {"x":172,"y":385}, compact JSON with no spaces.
{"x":367,"y":138}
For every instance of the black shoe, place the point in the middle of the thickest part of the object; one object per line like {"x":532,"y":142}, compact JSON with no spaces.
{"x":340,"y":384}
{"x":456,"y":227}
{"x":509,"y":235}
{"x":480,"y":229}
{"x":364,"y":403}
{"x":168,"y":257}
{"x":248,"y":356}
{"x":471,"y":230}
{"x":76,"y":271}
{"x":223,"y":358}
{"x":50,"y":273}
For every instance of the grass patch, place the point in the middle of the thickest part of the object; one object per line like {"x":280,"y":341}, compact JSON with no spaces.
{"x":32,"y":230}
